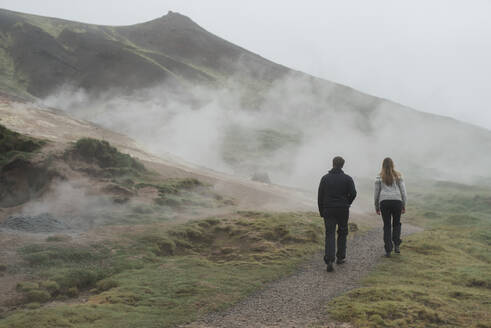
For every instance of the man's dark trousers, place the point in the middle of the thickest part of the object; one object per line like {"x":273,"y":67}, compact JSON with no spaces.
{"x":336,"y":216}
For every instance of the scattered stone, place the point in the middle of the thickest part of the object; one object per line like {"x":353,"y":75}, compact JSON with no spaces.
{"x":261,"y":177}
{"x":41,"y":223}
{"x":352,"y":227}
{"x":118,"y":190}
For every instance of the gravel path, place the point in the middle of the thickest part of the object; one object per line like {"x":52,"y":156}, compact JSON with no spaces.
{"x":299,"y":300}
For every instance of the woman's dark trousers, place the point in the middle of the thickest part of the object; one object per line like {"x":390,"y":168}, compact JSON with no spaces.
{"x":391,"y":214}
{"x":336,"y":216}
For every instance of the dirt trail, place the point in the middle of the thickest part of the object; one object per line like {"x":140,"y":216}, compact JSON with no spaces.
{"x":300,"y":300}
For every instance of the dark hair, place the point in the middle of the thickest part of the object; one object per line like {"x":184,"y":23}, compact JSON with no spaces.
{"x":338,"y":162}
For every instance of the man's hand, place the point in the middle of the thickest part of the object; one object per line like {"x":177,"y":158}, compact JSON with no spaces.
{"x":378,"y":212}
{"x":403,"y":210}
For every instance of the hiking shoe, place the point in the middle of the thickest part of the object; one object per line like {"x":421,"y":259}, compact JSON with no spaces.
{"x":387,"y":254}
{"x":397,"y":249}
{"x":340,"y":261}
{"x":330,"y":267}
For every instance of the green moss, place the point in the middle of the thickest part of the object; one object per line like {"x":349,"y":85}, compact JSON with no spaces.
{"x":39,"y":296}
{"x":14,"y":145}
{"x":50,"y":286}
{"x":100,"y":152}
{"x":245,"y":147}
{"x":41,"y":255}
{"x":177,"y":273}
{"x":58,"y":238}
{"x":53,"y":26}
{"x":12,"y":81}
{"x":173,"y":186}
{"x":65,"y":270}
{"x":441,"y":277}
{"x":27,"y":286}
{"x":33,"y":306}
{"x":106,"y":284}
{"x":185,"y":193}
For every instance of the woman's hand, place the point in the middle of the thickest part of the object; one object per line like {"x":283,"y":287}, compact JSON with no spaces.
{"x":378,"y":212}
{"x":403,"y":210}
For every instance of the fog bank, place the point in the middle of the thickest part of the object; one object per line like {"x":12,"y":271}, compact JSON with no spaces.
{"x":291,"y":131}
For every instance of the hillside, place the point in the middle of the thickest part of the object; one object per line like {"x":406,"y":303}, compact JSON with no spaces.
{"x":264,"y":117}
{"x":39,"y":54}
{"x":126,"y":200}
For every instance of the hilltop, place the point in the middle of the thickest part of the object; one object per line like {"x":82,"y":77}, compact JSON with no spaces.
{"x":39,"y":54}
{"x":289,"y":114}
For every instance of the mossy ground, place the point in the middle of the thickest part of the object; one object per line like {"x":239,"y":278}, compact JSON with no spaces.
{"x":129,"y":175}
{"x":101,"y":153}
{"x":443,"y":276}
{"x":14,"y":145}
{"x":161,"y":276}
{"x":245,"y":148}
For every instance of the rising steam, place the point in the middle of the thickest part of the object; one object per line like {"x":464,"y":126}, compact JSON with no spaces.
{"x":290,"y":129}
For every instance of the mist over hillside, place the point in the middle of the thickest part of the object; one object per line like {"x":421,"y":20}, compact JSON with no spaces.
{"x":292,"y":135}
{"x":180,"y":90}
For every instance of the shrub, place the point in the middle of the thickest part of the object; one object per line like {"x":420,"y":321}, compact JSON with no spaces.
{"x":33,"y":306}
{"x":72,"y":292}
{"x":57,"y":238}
{"x":51,"y":286}
{"x":165,"y":247}
{"x":14,"y":145}
{"x":106,"y":156}
{"x":106,"y":284}
{"x":82,"y":278}
{"x":26,"y":286}
{"x":49,"y":255}
{"x":171,"y":202}
{"x":36,"y":295}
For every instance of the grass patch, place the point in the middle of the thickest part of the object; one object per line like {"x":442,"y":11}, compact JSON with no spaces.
{"x":64,"y":270}
{"x":107,"y":157}
{"x":244,"y":148}
{"x":441,"y":279}
{"x":172,"y":186}
{"x":58,"y":238}
{"x":14,"y":145}
{"x":184,"y":193}
{"x":177,"y":274}
{"x":128,"y":176}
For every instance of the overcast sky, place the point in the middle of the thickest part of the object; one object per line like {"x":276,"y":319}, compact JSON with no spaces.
{"x":432,"y":55}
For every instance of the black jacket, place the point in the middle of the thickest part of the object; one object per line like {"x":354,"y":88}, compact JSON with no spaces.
{"x":335,"y":190}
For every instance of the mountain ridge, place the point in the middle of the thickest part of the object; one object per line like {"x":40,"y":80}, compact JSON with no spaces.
{"x":184,"y":53}
{"x":173,"y":57}
{"x":186,"y":23}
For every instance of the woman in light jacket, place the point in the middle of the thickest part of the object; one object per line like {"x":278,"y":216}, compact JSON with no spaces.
{"x":390,"y":200}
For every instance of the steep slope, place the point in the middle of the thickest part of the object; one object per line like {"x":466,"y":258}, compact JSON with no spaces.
{"x":254,"y":115}
{"x":60,"y":130}
{"x":179,"y":37}
{"x":39,"y":54}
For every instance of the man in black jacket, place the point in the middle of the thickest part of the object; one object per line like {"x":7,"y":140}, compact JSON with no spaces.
{"x":336,"y":193}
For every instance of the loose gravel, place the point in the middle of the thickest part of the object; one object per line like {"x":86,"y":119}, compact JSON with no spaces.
{"x":42,"y":223}
{"x":300,"y":300}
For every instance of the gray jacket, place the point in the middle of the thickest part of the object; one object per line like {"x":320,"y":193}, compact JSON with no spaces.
{"x":384,"y":192}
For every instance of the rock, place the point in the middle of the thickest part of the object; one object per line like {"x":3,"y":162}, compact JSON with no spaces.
{"x":41,"y":223}
{"x":261,"y":177}
{"x":352,"y":227}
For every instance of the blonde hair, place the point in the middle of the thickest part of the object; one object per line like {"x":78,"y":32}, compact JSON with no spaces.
{"x":388,"y":174}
